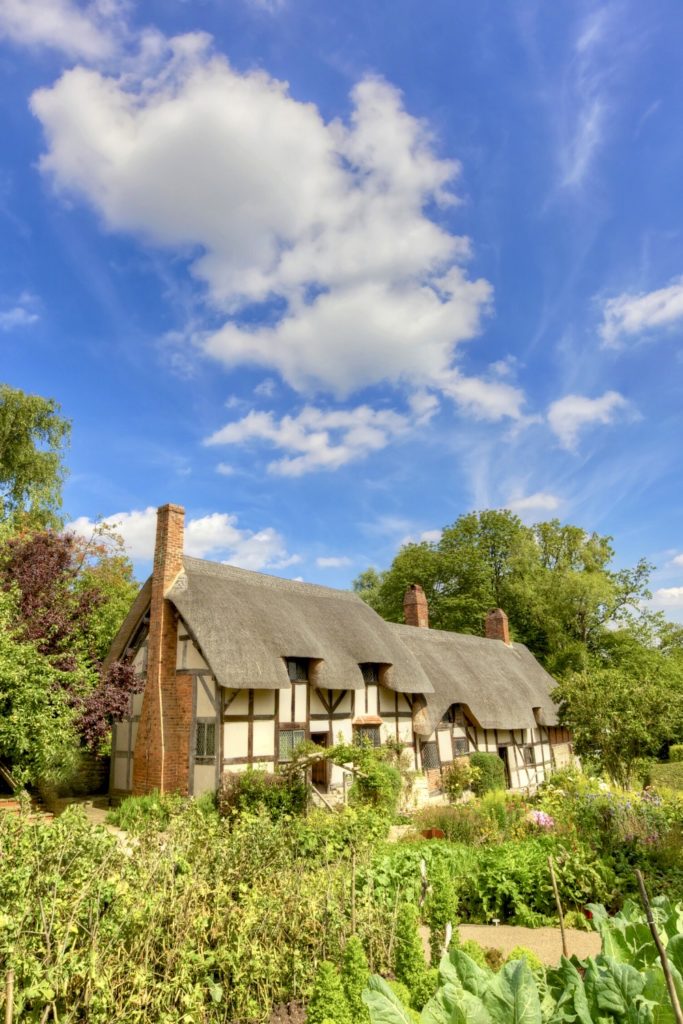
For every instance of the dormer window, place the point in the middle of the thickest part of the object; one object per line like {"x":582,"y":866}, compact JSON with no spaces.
{"x":370,"y":672}
{"x":297,"y":670}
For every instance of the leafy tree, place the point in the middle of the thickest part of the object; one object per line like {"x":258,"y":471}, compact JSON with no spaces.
{"x":38,"y":739}
{"x":32,"y":440}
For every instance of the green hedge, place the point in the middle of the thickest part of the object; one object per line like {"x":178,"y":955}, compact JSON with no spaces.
{"x":492,"y":772}
{"x":676,"y":752}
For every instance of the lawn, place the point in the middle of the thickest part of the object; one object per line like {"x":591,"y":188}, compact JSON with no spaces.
{"x":670,"y":775}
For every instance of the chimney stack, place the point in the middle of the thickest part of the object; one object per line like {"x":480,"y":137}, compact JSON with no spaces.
{"x":161,"y":760}
{"x":497,"y":627}
{"x":415,"y":607}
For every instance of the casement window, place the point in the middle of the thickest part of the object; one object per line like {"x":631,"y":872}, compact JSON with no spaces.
{"x":430,"y":755}
{"x":367,"y":735}
{"x":205,"y":740}
{"x":289,"y":739}
{"x":370,"y":672}
{"x":461,"y":746}
{"x":529,"y":755}
{"x":297,"y":669}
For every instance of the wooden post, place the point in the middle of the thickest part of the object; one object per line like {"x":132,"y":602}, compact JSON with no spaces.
{"x":673,"y":995}
{"x":9,"y":997}
{"x":353,"y":893}
{"x":565,"y":951}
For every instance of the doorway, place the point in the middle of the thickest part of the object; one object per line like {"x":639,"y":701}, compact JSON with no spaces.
{"x":320,"y":771}
{"x":503,"y":753}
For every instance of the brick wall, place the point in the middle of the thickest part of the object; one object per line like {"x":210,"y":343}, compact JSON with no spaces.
{"x":162,"y":746}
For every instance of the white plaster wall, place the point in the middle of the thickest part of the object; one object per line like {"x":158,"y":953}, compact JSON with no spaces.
{"x":121,"y":773}
{"x":204,"y":779}
{"x":238,"y":706}
{"x":264,"y":739}
{"x":387,"y":701}
{"x":372,"y":701}
{"x":235,"y":739}
{"x":317,"y":707}
{"x":264,"y":702}
{"x":137,"y":703}
{"x":300,"y":694}
{"x":285,"y":698}
{"x":445,"y":746}
{"x":206,"y":693}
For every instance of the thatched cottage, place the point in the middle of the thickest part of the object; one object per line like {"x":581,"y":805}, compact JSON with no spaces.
{"x":239,"y":667}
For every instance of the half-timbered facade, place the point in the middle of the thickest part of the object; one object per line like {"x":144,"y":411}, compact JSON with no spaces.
{"x":240,"y":667}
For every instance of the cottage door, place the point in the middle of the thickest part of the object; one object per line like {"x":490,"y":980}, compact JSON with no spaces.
{"x":320,"y":772}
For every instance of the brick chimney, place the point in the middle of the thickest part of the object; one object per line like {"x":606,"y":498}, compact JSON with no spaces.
{"x":161,"y":758}
{"x":415,"y":607}
{"x":497,"y":627}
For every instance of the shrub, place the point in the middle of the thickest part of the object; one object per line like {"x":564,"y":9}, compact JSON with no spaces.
{"x":252,"y":789}
{"x":460,"y":776}
{"x":355,"y":974}
{"x":441,"y":909}
{"x":154,"y":810}
{"x":328,"y":1002}
{"x":474,"y":951}
{"x":378,"y":783}
{"x":522,"y":953}
{"x":676,"y":752}
{"x":491,"y":772}
{"x":409,"y":959}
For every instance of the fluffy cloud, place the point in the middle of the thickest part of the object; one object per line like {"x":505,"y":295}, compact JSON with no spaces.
{"x":678,"y":560}
{"x":571,"y":414}
{"x":22,"y":314}
{"x":271,"y":202}
{"x":540,"y":501}
{"x":669,"y":597}
{"x":79,"y":31}
{"x":629,"y":315}
{"x":316,"y":438}
{"x":332,"y":562}
{"x":216,"y":535}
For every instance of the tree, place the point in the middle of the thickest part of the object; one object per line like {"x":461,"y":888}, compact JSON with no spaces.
{"x":32,"y":440}
{"x":554,"y":581}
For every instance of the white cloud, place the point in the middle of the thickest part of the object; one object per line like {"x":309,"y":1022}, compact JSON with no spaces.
{"x":225,"y":469}
{"x":333,"y":562}
{"x":570,"y":415}
{"x":678,"y":560}
{"x":426,"y":537}
{"x":316,"y":438}
{"x":216,"y":535}
{"x":629,"y":315}
{"x":271,"y":201}
{"x":539,"y":501}
{"x":83,"y":31}
{"x":23,"y":314}
{"x":669,"y":597}
{"x":266,"y":389}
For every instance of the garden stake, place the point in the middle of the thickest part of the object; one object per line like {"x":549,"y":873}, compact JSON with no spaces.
{"x":673,"y":995}
{"x":353,"y":893}
{"x":565,"y":951}
{"x":9,"y":997}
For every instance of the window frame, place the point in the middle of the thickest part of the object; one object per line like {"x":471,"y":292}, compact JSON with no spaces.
{"x":529,"y":755}
{"x":373,"y":732}
{"x":288,"y":728}
{"x":205,"y":727}
{"x":298,"y":669}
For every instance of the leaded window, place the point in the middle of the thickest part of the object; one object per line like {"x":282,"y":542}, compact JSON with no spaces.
{"x":205,"y":742}
{"x":529,"y":755}
{"x":430,"y":756}
{"x":461,"y":746}
{"x":297,"y":669}
{"x":289,"y":739}
{"x":367,"y":735}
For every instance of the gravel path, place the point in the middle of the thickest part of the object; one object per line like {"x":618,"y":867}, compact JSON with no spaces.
{"x":544,"y":942}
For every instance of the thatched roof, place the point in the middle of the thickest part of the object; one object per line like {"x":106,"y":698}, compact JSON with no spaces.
{"x":246,"y":623}
{"x":502,"y":685}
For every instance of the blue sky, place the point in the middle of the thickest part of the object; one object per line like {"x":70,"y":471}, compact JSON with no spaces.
{"x":331,"y":275}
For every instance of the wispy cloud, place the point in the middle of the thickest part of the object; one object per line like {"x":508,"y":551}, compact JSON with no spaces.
{"x":332,"y":561}
{"x":631,"y":315}
{"x":22,"y":314}
{"x":87,"y":32}
{"x":540,"y":501}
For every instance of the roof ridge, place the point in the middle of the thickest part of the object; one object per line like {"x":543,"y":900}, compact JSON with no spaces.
{"x":224,"y":570}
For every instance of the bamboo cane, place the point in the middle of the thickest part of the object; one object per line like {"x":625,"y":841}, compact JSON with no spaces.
{"x":673,"y":995}
{"x":565,"y":951}
{"x":9,"y":997}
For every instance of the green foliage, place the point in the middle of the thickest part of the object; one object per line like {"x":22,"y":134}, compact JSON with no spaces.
{"x":475,"y":952}
{"x":378,"y":781}
{"x":38,"y":738}
{"x":278,"y":794}
{"x":154,"y":811}
{"x":458,"y":777}
{"x":668,"y":775}
{"x":355,"y":974}
{"x":32,"y":440}
{"x":676,"y":752}
{"x":410,"y":967}
{"x":491,"y":772}
{"x":440,"y":909}
{"x":328,"y":1002}
{"x":522,"y":953}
